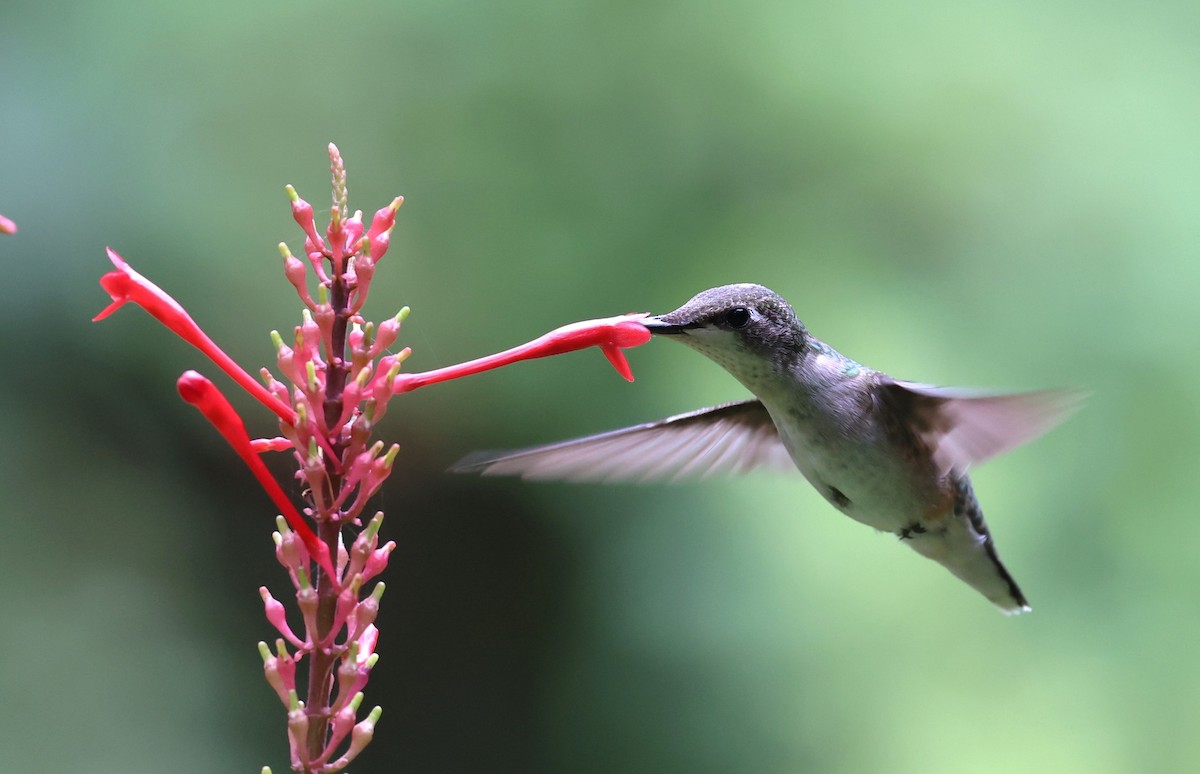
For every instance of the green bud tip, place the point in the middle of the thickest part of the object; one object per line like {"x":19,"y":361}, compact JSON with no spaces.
{"x":356,"y":702}
{"x":302,"y":578}
{"x":374,"y":524}
{"x":264,"y":651}
{"x":373,"y":718}
{"x":307,"y":315}
{"x":314,"y":451}
{"x":265,"y":770}
{"x":322,"y":294}
{"x":402,"y":315}
{"x":281,"y":648}
{"x":311,"y":371}
{"x":291,"y":192}
{"x":301,"y":413}
{"x":284,"y":251}
{"x":364,"y":376}
{"x":372,"y":660}
{"x":277,"y":340}
{"x":293,"y":700}
{"x":403,"y":355}
{"x":277,"y":538}
{"x":391,"y":455}
{"x":395,"y":205}
{"x":377,"y":592}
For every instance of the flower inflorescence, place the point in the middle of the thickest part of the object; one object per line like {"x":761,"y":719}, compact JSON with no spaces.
{"x":336,"y":375}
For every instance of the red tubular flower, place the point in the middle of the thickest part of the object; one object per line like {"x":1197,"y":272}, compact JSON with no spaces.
{"x":126,"y":285}
{"x":610,"y":334}
{"x":7,"y":226}
{"x":205,"y":396}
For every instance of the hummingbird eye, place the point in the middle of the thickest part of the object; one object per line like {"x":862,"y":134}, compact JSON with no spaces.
{"x":738,"y":317}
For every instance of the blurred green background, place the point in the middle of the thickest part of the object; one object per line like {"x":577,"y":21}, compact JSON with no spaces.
{"x":999,"y":195}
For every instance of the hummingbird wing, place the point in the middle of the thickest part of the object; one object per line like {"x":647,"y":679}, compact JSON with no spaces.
{"x":731,"y":438}
{"x":962,"y":428}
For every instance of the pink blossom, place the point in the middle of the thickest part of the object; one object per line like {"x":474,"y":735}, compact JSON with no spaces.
{"x":7,"y":226}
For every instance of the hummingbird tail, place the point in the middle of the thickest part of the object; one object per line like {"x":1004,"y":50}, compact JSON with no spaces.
{"x":965,"y":547}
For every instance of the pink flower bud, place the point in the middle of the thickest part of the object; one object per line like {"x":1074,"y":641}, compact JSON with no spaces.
{"x":277,"y":617}
{"x":290,"y":551}
{"x":263,"y":445}
{"x":297,"y":274}
{"x":365,"y":613}
{"x":354,"y":230}
{"x":381,"y":229}
{"x":364,"y":272}
{"x":323,"y":316}
{"x":308,"y":333}
{"x":275,"y":386}
{"x":7,"y":226}
{"x":387,"y":334}
{"x":307,"y":601}
{"x":351,"y":395}
{"x":343,"y":722}
{"x":360,"y":737}
{"x":302,"y":211}
{"x":336,"y":234}
{"x":272,"y":673}
{"x":378,"y":560}
{"x":356,"y":336}
{"x":298,"y":735}
{"x":364,"y":544}
{"x":366,"y":646}
{"x":348,"y":673}
{"x":347,"y":602}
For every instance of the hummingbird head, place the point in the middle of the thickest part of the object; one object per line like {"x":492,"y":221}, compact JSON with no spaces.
{"x":744,"y":328}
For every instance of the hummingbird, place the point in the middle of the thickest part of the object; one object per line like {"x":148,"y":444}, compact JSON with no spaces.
{"x":890,"y":454}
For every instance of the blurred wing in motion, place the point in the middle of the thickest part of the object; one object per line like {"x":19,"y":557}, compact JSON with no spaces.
{"x":961,"y":428}
{"x":728,"y":439}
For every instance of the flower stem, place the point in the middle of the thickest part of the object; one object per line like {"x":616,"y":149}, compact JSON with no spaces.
{"x":321,"y":665}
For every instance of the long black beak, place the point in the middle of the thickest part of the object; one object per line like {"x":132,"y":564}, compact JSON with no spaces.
{"x":656,"y":325}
